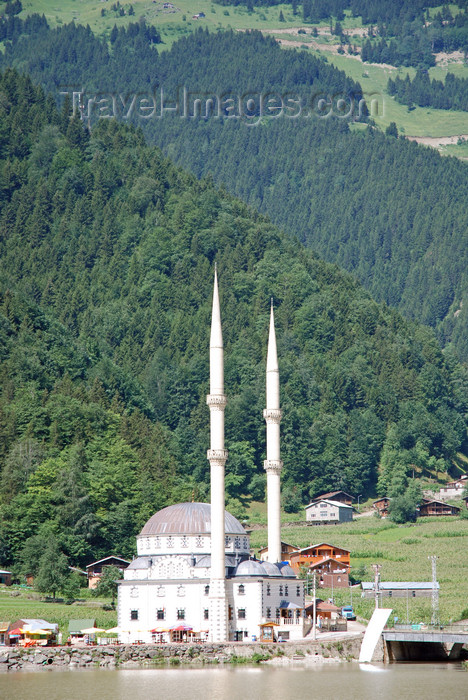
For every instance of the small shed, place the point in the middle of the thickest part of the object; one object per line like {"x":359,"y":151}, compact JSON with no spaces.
{"x":399,"y":589}
{"x":75,"y":628}
{"x":438,"y":508}
{"x":381,"y":506}
{"x":5,"y":577}
{"x":4,"y":628}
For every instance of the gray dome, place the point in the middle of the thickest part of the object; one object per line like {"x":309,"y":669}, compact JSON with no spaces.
{"x":286,"y":570}
{"x":271,"y":569}
{"x":188,"y":519}
{"x":250,"y":568}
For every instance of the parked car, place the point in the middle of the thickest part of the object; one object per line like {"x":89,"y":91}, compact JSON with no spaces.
{"x":348,"y":613}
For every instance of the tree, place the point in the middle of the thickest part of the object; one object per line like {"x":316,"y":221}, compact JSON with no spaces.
{"x":107,"y":585}
{"x":403,"y":508}
{"x":53,"y":572}
{"x":392,"y":130}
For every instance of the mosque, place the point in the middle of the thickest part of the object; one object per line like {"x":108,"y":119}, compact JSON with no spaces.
{"x":193,"y":574}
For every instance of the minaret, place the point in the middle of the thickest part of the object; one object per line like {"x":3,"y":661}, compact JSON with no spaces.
{"x":217,"y":456}
{"x":273,"y":463}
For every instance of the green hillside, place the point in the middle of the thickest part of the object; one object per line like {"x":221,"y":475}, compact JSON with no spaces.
{"x":107,"y":257}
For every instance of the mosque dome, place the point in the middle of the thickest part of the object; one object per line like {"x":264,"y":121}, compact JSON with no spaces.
{"x":271,"y":569}
{"x":188,"y":519}
{"x":250,"y":567}
{"x":286,"y":570}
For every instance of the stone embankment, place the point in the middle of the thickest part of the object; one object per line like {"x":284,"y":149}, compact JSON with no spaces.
{"x":147,"y":655}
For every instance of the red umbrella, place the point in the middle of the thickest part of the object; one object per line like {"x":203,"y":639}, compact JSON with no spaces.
{"x":16,"y":632}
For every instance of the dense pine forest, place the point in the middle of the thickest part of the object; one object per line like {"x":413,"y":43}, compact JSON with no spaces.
{"x":391,"y":212}
{"x":107,"y":262}
{"x":449,"y":94}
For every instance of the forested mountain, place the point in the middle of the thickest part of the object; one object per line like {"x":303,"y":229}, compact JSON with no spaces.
{"x":107,"y":254}
{"x":391,"y":212}
{"x":452,"y":93}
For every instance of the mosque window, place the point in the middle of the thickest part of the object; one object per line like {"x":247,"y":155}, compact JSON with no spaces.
{"x":161,"y":591}
{"x":286,"y":590}
{"x":184,"y":541}
{"x":207,"y":590}
{"x":298,"y":590}
{"x":157,"y":542}
{"x":227,"y":541}
{"x":170,"y":542}
{"x":241,"y":614}
{"x":161,"y":614}
{"x":246,"y":543}
{"x":241,"y":589}
{"x":181,"y":614}
{"x":133,"y":592}
{"x":147,"y":543}
{"x":237,"y":542}
{"x":268,"y":613}
{"x":268,"y":589}
{"x":281,"y":590}
{"x":133,"y":614}
{"x":206,"y":614}
{"x":199,"y":541}
{"x":278,"y":612}
{"x":181,"y":591}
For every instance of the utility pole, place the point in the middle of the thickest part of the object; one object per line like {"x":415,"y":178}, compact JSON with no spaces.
{"x":376,"y":568}
{"x":314,"y":608}
{"x":435,"y":591}
{"x":358,"y":502}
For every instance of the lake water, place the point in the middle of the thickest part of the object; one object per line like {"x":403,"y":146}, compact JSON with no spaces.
{"x":347,"y":681}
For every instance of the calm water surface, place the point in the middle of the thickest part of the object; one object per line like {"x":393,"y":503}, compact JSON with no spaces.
{"x":347,"y":681}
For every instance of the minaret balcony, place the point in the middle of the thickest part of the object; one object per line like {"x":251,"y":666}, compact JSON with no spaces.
{"x":217,"y":455}
{"x":272,"y":415}
{"x":273,"y":465}
{"x":216,"y":401}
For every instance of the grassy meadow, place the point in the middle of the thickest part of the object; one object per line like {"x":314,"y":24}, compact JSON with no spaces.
{"x":403,"y":552}
{"x":17,"y":603}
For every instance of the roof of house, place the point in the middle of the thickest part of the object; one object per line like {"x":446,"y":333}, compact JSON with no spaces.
{"x":101,"y":561}
{"x":399,"y":585}
{"x":286,"y":544}
{"x":4,"y":571}
{"x":330,"y":494}
{"x":440,"y":503}
{"x":337,"y":504}
{"x":75,"y":626}
{"x":323,"y":544}
{"x":4,"y":625}
{"x":327,"y":607}
{"x":382,"y":498}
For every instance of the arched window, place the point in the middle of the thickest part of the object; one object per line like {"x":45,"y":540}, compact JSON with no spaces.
{"x":241,"y":589}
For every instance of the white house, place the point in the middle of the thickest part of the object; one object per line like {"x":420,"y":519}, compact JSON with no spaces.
{"x":326,"y":511}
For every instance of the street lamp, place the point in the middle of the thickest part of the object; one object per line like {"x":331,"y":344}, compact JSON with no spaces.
{"x":358,"y":502}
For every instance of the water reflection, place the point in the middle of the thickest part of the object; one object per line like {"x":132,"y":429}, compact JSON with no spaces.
{"x":344,"y":681}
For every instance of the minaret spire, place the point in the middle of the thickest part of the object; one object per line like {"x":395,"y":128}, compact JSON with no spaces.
{"x":273,"y":464}
{"x":217,"y":457}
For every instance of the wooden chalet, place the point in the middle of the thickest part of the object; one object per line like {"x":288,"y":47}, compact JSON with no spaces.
{"x":94,"y":570}
{"x":5,"y":577}
{"x":437,"y":508}
{"x":340,"y":496}
{"x":316,"y":553}
{"x":331,"y":573}
{"x":381,"y":506}
{"x":327,"y":511}
{"x":286,"y":551}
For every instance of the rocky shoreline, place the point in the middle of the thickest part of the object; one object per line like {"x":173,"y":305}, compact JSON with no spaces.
{"x":166,"y":655}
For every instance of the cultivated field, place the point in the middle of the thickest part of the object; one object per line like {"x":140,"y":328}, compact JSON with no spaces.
{"x":403,"y":551}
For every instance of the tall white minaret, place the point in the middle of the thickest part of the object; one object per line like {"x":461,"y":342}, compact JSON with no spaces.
{"x":273,"y":463}
{"x":217,"y":456}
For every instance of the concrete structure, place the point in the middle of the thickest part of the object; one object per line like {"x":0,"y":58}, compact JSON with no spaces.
{"x":421,"y":643}
{"x":453,"y":489}
{"x":193,"y":577}
{"x":273,"y":464}
{"x":330,"y":512}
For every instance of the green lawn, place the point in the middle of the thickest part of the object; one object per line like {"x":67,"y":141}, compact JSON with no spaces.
{"x":403,"y":552}
{"x":16,"y":604}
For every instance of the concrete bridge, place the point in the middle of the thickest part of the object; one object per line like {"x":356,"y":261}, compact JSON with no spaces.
{"x":425,"y":643}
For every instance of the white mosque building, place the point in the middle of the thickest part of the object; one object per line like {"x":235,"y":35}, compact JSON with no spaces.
{"x":193,"y":574}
